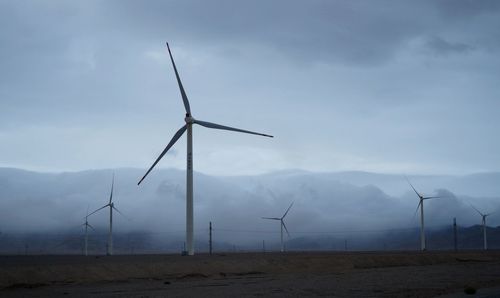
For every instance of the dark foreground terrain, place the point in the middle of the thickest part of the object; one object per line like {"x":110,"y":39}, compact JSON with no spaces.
{"x":361,"y":274}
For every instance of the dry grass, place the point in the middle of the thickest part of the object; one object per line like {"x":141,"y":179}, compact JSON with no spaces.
{"x":39,"y":272}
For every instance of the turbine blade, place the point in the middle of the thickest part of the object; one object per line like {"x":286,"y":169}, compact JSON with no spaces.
{"x":412,"y":187}
{"x":112,"y":186}
{"x":181,"y":88}
{"x":435,"y":197}
{"x":218,"y":126}
{"x":91,"y":227}
{"x":418,"y":206}
{"x":273,"y":218}
{"x":272,"y":194}
{"x":98,"y":210}
{"x":176,"y":137}
{"x":477,"y":210}
{"x":284,"y":226}
{"x":121,"y":213}
{"x":287,"y":210}
{"x":88,"y":207}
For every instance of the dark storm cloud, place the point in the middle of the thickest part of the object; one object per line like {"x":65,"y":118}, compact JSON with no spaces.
{"x":359,"y":32}
{"x":51,"y":45}
{"x":356,"y":32}
{"x":344,"y":31}
{"x":464,"y":9}
{"x":341,"y":31}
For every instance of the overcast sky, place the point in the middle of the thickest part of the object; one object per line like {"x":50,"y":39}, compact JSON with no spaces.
{"x":383,"y":86}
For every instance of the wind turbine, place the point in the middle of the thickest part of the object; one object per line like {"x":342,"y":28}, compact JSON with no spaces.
{"x":111,"y":206}
{"x":282,"y":225}
{"x":420,"y":205}
{"x":189,"y":172}
{"x":483,"y":216}
{"x":87,"y":225}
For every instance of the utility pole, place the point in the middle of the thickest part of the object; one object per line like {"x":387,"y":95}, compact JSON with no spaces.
{"x":210,"y":238}
{"x":484,"y":233}
{"x":455,"y":234}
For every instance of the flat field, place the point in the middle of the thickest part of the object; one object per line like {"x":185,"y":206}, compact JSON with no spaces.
{"x":292,"y":274}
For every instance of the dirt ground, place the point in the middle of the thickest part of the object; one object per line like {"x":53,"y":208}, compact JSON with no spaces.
{"x":293,"y":274}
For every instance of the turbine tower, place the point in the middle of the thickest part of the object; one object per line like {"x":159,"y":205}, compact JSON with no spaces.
{"x":189,"y":171}
{"x":282,"y":225}
{"x":111,"y":205}
{"x":420,"y":205}
{"x":483,"y":216}
{"x":87,"y":225}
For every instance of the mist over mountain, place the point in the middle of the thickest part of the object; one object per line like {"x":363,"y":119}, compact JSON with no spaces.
{"x":325,"y":204}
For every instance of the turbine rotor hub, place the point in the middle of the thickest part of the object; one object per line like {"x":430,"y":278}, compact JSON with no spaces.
{"x":189,"y":119}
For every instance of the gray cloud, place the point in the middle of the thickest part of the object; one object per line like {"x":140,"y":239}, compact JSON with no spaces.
{"x":89,"y":84}
{"x":442,"y":47}
{"x":467,"y":8}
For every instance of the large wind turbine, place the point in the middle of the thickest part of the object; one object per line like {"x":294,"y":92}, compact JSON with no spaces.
{"x":282,"y":225}
{"x":421,"y":206}
{"x":111,"y":206}
{"x":87,"y":225}
{"x":189,"y":172}
{"x":483,"y":216}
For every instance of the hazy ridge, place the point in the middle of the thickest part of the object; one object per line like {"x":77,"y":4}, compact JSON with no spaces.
{"x":327,"y":205}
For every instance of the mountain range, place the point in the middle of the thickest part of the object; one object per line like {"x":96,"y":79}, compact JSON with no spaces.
{"x":336,"y":205}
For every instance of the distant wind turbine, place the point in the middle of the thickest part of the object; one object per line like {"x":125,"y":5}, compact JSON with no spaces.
{"x":483,"y":216}
{"x":189,"y":173}
{"x":111,"y":206}
{"x":421,"y":206}
{"x":282,"y":225}
{"x":87,"y":225}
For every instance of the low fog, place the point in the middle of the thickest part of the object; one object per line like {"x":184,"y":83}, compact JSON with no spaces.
{"x":325,"y":204}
